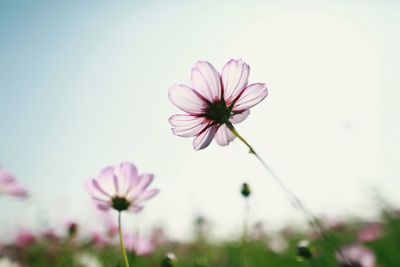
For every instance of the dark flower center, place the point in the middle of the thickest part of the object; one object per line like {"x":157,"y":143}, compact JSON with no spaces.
{"x":218,"y":111}
{"x":120,"y":203}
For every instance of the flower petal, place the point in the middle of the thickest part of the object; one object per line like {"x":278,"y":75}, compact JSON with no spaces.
{"x":135,"y":208}
{"x":19,"y":191}
{"x":251,"y":96}
{"x":144,"y":181}
{"x":237,"y":118}
{"x":129,"y":176}
{"x":116,"y":183}
{"x":148,"y":194}
{"x":6,"y":178}
{"x":98,"y":189}
{"x":187,"y":125}
{"x":103,"y":207}
{"x":234,"y":78}
{"x":206,"y":81}
{"x":186,"y":99}
{"x":105,"y":180}
{"x":204,"y":139}
{"x":223,"y":136}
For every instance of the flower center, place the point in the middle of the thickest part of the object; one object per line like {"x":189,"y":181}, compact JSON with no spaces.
{"x":218,"y":112}
{"x":120,"y":203}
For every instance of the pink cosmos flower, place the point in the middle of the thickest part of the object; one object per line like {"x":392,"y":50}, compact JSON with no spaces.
{"x":356,"y":256}
{"x":111,"y":227}
{"x":25,"y":239}
{"x":121,"y":188}
{"x":50,"y":235}
{"x":98,"y":240}
{"x":213,"y":102}
{"x":370,"y":232}
{"x":139,"y":246}
{"x":10,"y":186}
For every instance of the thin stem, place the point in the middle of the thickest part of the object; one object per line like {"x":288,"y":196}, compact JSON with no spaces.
{"x":246,"y":220}
{"x":297,"y":203}
{"x":121,"y":238}
{"x":245,"y":239}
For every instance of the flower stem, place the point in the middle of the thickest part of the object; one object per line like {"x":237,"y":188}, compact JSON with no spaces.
{"x":297,"y":203}
{"x":121,"y":238}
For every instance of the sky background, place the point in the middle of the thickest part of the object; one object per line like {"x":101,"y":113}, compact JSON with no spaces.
{"x":84,"y":85}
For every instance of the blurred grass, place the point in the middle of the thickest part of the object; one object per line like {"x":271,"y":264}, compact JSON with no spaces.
{"x":253,"y":252}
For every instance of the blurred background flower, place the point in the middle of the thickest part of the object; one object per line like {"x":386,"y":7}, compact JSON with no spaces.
{"x":10,"y":186}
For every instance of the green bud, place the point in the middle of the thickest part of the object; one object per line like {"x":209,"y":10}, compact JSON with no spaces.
{"x":304,"y":250}
{"x":170,"y":260}
{"x":245,"y":191}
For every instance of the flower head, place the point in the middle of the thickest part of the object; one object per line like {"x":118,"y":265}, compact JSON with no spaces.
{"x":370,"y":233}
{"x":25,"y":238}
{"x":10,"y":186}
{"x":139,"y":246}
{"x":121,"y":188}
{"x":356,"y":256}
{"x":213,"y":102}
{"x":97,"y":240}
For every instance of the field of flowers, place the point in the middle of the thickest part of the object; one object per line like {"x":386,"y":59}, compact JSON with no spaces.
{"x":210,"y":108}
{"x":367,"y":244}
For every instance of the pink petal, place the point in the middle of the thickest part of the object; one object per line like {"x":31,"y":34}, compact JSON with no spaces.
{"x":204,"y":139}
{"x":251,"y":96}
{"x":99,"y":189}
{"x":206,"y":81}
{"x":103,"y":207}
{"x":116,"y":186}
{"x":129,"y":176}
{"x":144,"y":181}
{"x":94,"y":192}
{"x":223,"y":136}
{"x":106,"y":173}
{"x":234,"y":78}
{"x":105,"y":180}
{"x":187,"y":125}
{"x":100,"y":200}
{"x":186,"y":99}
{"x":147,"y":195}
{"x":6,"y":178}
{"x":237,"y":118}
{"x":135,"y":208}
{"x":18,"y":191}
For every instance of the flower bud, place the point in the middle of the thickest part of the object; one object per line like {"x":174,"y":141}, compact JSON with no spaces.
{"x":170,"y":260}
{"x":304,"y":250}
{"x":245,"y":191}
{"x":72,"y":230}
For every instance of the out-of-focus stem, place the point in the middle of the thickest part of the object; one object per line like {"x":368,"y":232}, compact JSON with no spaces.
{"x":121,"y":238}
{"x":293,"y":198}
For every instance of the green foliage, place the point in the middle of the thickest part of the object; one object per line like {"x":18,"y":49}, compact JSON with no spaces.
{"x":252,"y":252}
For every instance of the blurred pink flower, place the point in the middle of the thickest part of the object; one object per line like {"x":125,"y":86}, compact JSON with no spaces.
{"x":98,"y":240}
{"x":110,"y":224}
{"x":139,"y":246}
{"x":25,"y":239}
{"x":356,"y":256}
{"x":50,"y":235}
{"x":10,"y":186}
{"x":370,"y":232}
{"x":213,"y":101}
{"x":121,"y":188}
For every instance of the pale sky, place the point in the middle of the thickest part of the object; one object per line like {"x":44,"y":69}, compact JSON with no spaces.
{"x":84,"y":85}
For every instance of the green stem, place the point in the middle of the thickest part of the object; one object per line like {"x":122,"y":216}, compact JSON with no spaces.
{"x":297,"y":203}
{"x":121,"y":238}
